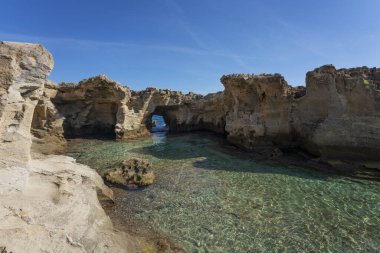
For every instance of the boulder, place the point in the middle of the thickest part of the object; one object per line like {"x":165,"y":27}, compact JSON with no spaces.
{"x":132,"y":172}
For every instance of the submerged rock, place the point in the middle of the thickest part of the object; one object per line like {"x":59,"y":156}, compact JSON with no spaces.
{"x":132,"y":172}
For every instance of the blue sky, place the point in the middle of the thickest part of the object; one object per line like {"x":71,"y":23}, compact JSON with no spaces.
{"x":188,"y":45}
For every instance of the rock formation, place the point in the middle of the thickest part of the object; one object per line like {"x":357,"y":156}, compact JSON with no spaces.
{"x":47,"y":203}
{"x":23,"y":71}
{"x":336,"y":117}
{"x":98,"y":106}
{"x":339,"y":117}
{"x":47,"y":123}
{"x":144,"y":104}
{"x":133,"y":172}
{"x":95,"y":106}
{"x":50,"y":203}
{"x":205,"y":113}
{"x":257,"y":109}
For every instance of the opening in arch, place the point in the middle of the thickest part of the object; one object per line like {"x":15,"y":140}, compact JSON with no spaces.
{"x":158,"y":124}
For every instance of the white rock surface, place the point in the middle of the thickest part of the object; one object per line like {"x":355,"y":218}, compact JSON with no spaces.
{"x":48,"y":203}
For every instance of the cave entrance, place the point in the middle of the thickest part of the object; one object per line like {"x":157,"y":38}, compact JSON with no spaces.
{"x":96,"y":121}
{"x":158,"y":124}
{"x":102,"y":121}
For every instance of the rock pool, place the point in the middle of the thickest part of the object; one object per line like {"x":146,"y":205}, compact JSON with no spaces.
{"x":210,"y":197}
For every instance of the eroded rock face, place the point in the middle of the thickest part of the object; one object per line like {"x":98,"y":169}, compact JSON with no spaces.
{"x":143,"y":104}
{"x":206,"y":113}
{"x":257,"y":109}
{"x":47,"y":203}
{"x":335,"y":117}
{"x":47,"y":123}
{"x":131,"y":173}
{"x":23,"y":71}
{"x":95,"y":106}
{"x":339,"y":117}
{"x":101,"y":107}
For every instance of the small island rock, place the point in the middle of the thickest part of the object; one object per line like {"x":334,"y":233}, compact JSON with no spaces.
{"x":132,"y":172}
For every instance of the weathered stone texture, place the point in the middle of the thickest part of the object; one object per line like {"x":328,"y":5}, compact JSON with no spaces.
{"x":143,"y":104}
{"x":336,"y":117}
{"x":339,"y":117}
{"x":47,"y":203}
{"x":206,"y":113}
{"x":23,"y":70}
{"x":95,"y":106}
{"x":257,"y":109}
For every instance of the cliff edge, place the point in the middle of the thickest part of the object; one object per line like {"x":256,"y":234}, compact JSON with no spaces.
{"x":47,"y":203}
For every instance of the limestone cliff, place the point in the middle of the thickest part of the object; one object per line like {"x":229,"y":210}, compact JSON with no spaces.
{"x":23,"y":70}
{"x":339,"y":117}
{"x":206,"y":113}
{"x":47,"y":123}
{"x":101,"y":107}
{"x":336,"y":117}
{"x":47,"y":203}
{"x":257,"y":109}
{"x":143,"y":104}
{"x":95,"y":106}
{"x":50,"y":203}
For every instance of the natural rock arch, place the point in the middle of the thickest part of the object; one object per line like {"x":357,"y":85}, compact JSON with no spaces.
{"x":143,"y":104}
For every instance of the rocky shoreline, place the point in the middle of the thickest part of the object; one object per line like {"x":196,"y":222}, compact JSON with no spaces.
{"x":336,"y":117}
{"x":150,"y":240}
{"x":47,"y":203}
{"x":53,"y":202}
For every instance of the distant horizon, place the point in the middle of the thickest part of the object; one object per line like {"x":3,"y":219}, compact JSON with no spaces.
{"x":188,"y":46}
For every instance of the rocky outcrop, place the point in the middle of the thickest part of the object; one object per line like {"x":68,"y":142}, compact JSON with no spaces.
{"x":57,"y":210}
{"x":131,"y":173}
{"x":144,"y":104}
{"x":257,"y":109}
{"x":206,"y":113}
{"x":98,"y":106}
{"x":339,"y":117}
{"x":47,"y":203}
{"x":23,"y":71}
{"x":335,"y":117}
{"x":47,"y":123}
{"x":50,"y":203}
{"x":95,"y":106}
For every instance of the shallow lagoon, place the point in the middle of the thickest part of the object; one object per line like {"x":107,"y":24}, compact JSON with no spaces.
{"x":210,"y":197}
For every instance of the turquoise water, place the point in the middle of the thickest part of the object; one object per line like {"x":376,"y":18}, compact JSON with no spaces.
{"x":209,"y":197}
{"x":160,"y":124}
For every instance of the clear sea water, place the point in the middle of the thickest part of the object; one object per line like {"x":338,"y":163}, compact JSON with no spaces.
{"x":209,"y":197}
{"x":160,"y":124}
